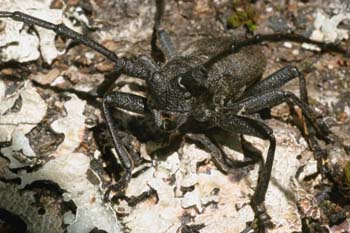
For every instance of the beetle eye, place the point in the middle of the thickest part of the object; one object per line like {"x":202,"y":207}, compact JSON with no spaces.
{"x":187,"y":94}
{"x":180,"y":82}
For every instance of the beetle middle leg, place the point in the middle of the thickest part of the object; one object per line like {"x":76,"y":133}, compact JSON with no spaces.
{"x":223,"y":163}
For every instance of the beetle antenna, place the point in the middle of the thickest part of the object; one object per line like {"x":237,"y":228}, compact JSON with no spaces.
{"x":238,"y":45}
{"x":62,"y":30}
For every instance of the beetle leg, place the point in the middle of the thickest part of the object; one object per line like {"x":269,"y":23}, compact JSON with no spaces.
{"x":214,"y":151}
{"x":224,"y":164}
{"x":167,"y":47}
{"x":128,"y":102}
{"x":194,"y":228}
{"x":277,"y":80}
{"x":254,"y":104}
{"x":248,"y":126}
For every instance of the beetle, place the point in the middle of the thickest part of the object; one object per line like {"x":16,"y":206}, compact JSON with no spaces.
{"x":213,"y":83}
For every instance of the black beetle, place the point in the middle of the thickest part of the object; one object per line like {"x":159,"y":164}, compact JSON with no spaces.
{"x":214,"y":83}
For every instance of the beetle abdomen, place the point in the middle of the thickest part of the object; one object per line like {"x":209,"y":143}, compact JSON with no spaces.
{"x":229,"y":77}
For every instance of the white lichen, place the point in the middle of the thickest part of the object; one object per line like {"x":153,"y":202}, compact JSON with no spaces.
{"x":22,"y":204}
{"x":206,"y":185}
{"x":326,"y":28}
{"x":69,"y":169}
{"x":15,"y":125}
{"x":18,"y":43}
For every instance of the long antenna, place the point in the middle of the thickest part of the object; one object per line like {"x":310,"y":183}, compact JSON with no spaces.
{"x":61,"y":30}
{"x":237,"y":45}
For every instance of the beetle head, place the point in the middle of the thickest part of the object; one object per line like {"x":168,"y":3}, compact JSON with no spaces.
{"x":171,"y":98}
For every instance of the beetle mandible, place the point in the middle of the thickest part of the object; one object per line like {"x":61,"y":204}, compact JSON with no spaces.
{"x":213,"y":83}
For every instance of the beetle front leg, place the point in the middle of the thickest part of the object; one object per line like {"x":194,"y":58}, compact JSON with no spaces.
{"x":128,"y":102}
{"x":256,"y":103}
{"x":276,"y":81}
{"x":248,"y":126}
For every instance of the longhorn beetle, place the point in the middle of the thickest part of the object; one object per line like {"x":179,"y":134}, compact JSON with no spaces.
{"x":214,"y":83}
